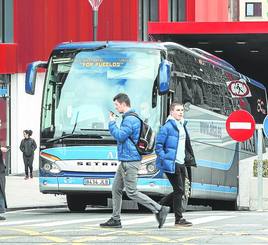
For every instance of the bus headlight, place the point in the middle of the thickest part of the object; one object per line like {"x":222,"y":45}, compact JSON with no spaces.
{"x":151,"y":168}
{"x":148,"y":165}
{"x":49,"y":164}
{"x":55,"y":168}
{"x":47,"y":167}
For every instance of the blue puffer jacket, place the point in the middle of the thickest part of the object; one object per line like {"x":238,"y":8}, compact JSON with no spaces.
{"x":130,"y":127}
{"x":166,"y":146}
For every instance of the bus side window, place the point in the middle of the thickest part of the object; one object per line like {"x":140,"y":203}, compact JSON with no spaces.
{"x":154,"y":94}
{"x":177,"y":89}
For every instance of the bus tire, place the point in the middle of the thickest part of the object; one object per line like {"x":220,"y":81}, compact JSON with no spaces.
{"x":75,"y":203}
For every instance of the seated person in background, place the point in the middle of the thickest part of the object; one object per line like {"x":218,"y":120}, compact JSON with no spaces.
{"x":192,"y":92}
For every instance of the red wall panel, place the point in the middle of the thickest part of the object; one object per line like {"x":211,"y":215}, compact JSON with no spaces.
{"x":163,"y":10}
{"x":118,"y":20}
{"x":211,"y":10}
{"x":8,"y":58}
{"x":190,"y":10}
{"x":41,"y":24}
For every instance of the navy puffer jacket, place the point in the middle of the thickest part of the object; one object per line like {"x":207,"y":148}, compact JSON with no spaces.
{"x":130,"y":127}
{"x":166,"y":146}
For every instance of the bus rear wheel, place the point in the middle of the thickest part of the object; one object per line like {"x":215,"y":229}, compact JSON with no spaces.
{"x":75,"y":203}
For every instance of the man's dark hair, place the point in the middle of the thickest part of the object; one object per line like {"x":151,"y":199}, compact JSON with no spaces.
{"x":122,"y":98}
{"x":173,"y":104}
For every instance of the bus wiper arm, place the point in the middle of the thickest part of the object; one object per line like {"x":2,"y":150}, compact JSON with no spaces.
{"x":75,"y":122}
{"x":60,"y":138}
{"x":76,"y":51}
{"x":84,"y":136}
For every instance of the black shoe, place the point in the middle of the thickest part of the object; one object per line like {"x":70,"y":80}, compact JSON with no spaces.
{"x":183,"y":222}
{"x":2,"y":218}
{"x":31,"y":176}
{"x":162,"y":215}
{"x":112,"y":223}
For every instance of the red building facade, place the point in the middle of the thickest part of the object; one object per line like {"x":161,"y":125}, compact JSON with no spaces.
{"x":39,"y":25}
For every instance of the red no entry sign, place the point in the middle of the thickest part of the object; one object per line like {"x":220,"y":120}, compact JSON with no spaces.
{"x":240,"y":125}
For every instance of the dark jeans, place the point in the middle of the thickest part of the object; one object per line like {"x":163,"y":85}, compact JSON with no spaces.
{"x":28,"y":164}
{"x":177,"y":180}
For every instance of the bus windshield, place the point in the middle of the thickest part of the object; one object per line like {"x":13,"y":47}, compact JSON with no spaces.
{"x":80,"y":87}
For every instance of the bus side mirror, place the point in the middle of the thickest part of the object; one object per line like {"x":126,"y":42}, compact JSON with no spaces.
{"x":164,"y":77}
{"x":30,"y":77}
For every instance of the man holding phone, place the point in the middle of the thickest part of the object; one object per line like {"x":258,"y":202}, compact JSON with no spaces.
{"x":127,"y":172}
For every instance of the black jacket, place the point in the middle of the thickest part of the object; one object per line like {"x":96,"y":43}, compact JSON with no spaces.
{"x":28,"y":146}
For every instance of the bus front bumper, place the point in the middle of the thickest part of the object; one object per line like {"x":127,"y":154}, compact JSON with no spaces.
{"x":63,"y":185}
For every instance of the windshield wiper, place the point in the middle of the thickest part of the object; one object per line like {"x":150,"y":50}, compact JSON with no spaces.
{"x":76,"y":51}
{"x":75,"y":122}
{"x":85,"y":136}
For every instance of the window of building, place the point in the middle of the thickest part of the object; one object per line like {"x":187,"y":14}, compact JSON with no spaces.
{"x":1,"y":21}
{"x":148,"y":11}
{"x":253,"y":9}
{"x":176,"y":10}
{"x":6,"y":21}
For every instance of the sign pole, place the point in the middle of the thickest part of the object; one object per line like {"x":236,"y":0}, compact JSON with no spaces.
{"x":95,"y":7}
{"x":95,"y":24}
{"x":259,"y":168}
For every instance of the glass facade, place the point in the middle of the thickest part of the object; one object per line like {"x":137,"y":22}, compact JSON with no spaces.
{"x":176,"y":10}
{"x":148,"y":11}
{"x":6,"y":21}
{"x":253,"y":9}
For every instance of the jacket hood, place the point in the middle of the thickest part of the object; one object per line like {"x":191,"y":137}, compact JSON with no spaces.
{"x":172,"y":120}
{"x":129,"y":111}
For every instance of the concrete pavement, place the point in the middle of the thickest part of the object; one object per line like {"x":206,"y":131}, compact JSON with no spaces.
{"x":23,"y":194}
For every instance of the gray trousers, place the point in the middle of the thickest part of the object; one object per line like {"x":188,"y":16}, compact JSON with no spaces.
{"x":127,"y":177}
{"x":2,"y":203}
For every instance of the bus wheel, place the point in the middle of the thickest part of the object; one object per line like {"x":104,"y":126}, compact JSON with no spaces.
{"x":186,"y":196}
{"x":76,"y":203}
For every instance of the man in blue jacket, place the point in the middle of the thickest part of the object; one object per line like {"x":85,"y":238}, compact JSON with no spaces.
{"x":127,"y":172}
{"x":174,"y":155}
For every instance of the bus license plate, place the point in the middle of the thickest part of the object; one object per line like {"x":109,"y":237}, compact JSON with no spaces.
{"x":96,"y":181}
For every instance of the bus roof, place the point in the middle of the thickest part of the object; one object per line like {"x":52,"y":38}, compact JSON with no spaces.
{"x":114,"y":44}
{"x":151,"y":45}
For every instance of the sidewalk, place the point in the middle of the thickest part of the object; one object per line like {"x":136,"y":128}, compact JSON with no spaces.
{"x":23,"y":194}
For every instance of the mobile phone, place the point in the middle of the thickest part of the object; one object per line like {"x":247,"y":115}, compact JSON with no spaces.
{"x":113,"y":114}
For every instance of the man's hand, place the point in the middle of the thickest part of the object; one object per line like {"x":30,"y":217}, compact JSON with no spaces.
{"x":112,"y":116}
{"x":4,"y":149}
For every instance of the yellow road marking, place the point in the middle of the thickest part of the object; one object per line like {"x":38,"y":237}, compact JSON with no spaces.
{"x":98,"y":238}
{"x":185,"y":239}
{"x":261,"y":238}
{"x":129,"y":232}
{"x":235,"y":233}
{"x":113,"y":231}
{"x":7,"y":237}
{"x":38,"y":234}
{"x":159,"y":238}
{"x":28,"y":232}
{"x":54,"y":239}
